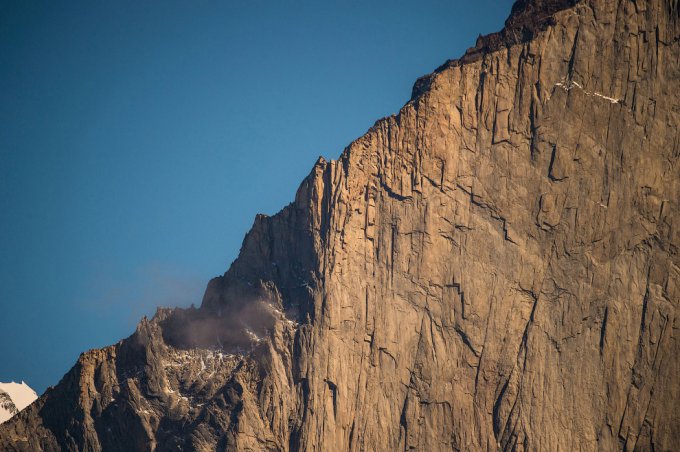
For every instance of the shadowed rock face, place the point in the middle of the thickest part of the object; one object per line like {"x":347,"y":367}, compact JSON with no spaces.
{"x":495,"y":267}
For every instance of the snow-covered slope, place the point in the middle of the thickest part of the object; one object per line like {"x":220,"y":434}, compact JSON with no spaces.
{"x":14,"y":397}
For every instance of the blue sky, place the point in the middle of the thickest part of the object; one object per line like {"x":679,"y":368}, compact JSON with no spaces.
{"x":139,"y":139}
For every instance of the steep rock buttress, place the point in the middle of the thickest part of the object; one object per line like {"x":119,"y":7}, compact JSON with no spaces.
{"x":495,"y":267}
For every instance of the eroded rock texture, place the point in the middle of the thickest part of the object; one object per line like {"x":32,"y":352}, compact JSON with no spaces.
{"x":495,"y":267}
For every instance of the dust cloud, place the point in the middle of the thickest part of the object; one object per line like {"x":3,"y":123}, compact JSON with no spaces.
{"x":232,"y":329}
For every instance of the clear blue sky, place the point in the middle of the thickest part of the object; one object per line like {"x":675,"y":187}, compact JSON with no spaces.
{"x":139,"y":139}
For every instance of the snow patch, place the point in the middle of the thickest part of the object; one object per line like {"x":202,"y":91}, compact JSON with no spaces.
{"x":610,"y":99}
{"x":14,"y":397}
{"x":568,"y":85}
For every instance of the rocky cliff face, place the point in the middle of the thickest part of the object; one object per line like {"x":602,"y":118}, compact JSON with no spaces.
{"x":495,"y":267}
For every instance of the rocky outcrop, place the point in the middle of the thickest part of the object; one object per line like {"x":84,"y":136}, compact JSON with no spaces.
{"x":495,"y":267}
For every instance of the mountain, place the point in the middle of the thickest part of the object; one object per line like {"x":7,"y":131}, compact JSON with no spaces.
{"x":495,"y":267}
{"x":14,"y":397}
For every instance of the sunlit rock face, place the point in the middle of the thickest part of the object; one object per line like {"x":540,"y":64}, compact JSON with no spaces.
{"x":495,"y":267}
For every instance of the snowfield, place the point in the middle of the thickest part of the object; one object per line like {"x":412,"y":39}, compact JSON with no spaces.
{"x":14,"y":397}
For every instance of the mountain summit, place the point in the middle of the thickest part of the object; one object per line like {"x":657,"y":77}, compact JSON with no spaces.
{"x":496,"y":267}
{"x":14,"y":397}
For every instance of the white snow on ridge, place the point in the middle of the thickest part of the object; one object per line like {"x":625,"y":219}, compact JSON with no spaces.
{"x":7,"y":408}
{"x":20,"y":396}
